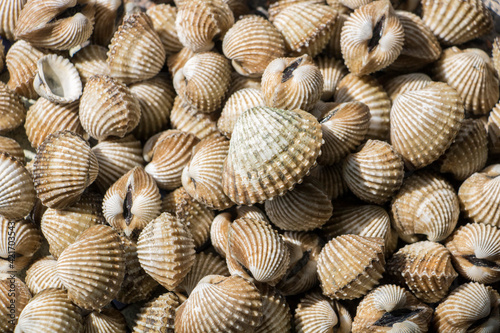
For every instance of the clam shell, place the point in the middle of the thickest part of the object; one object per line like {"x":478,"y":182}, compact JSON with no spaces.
{"x":494,"y":130}
{"x":259,"y":164}
{"x":333,"y":48}
{"x":375,"y":172}
{"x":239,"y":82}
{"x":388,"y":305}
{"x":251,"y":44}
{"x":496,"y":54}
{"x":343,"y":276}
{"x":132,"y":202}
{"x":332,"y":71}
{"x":184,"y":118}
{"x":52,"y":310}
{"x":163,"y":18}
{"x":202,"y":176}
{"x":276,"y":315}
{"x":43,"y":275}
{"x":292,"y":83}
{"x":108,"y":14}
{"x":14,"y":296}
{"x":226,"y":304}
{"x":12,"y":112}
{"x":64,"y":166}
{"x":372,"y":38}
{"x":9,"y":13}
{"x":57,"y":79}
{"x":16,"y":253}
{"x":176,"y":61}
{"x":106,"y":321}
{"x":330,"y":178}
{"x":479,"y":196}
{"x":306,"y":27}
{"x":90,"y":61}
{"x":205,"y":264}
{"x":158,"y":314}
{"x":251,"y":212}
{"x":426,"y":207}
{"x":16,"y":187}
{"x":317,"y":313}
{"x":257,"y":250}
{"x":204,"y":81}
{"x":219,"y":233}
{"x":367,"y":90}
{"x":13,"y":148}
{"x":238,"y":7}
{"x":276,"y":6}
{"x":135,"y":52}
{"x":424,"y":123}
{"x":475,"y":250}
{"x":166,"y":250}
{"x":400,"y":84}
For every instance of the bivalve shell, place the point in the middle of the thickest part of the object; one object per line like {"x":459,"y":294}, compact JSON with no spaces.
{"x":330,"y":178}
{"x":163,"y":18}
{"x":276,"y":6}
{"x":108,"y":14}
{"x":184,"y":118}
{"x":90,"y":61}
{"x":219,"y":233}
{"x":107,"y":321}
{"x":13,"y":148}
{"x":12,"y":112}
{"x":493,"y":126}
{"x":176,"y":61}
{"x":158,"y":314}
{"x":333,"y":71}
{"x":43,"y":275}
{"x":14,"y":296}
{"x":19,"y":241}
{"x":276,"y":315}
{"x":400,"y":84}
{"x":9,"y":13}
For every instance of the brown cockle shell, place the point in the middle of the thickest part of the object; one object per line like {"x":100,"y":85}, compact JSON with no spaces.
{"x":64,"y":167}
{"x":400,"y":84}
{"x":475,"y":250}
{"x":166,"y":250}
{"x":479,"y":196}
{"x":42,"y":275}
{"x":218,"y":303}
{"x":425,"y":268}
{"x":107,"y":321}
{"x":19,"y":241}
{"x":163,"y":18}
{"x":176,"y":61}
{"x":158,"y":314}
{"x":13,"y":148}
{"x":333,"y":48}
{"x":259,"y":164}
{"x":343,"y":276}
{"x":90,"y":61}
{"x":251,"y":212}
{"x":292,"y":83}
{"x":333,"y":71}
{"x":276,"y":6}
{"x":330,"y":177}
{"x":375,"y":172}
{"x":9,"y":13}
{"x":372,"y":38}
{"x":132,"y":202}
{"x":493,"y":128}
{"x":108,"y":14}
{"x":276,"y":315}
{"x":185,"y":118}
{"x":12,"y":112}
{"x":251,"y":44}
{"x":14,"y":296}
{"x":426,"y":207}
{"x":219,"y":233}
{"x":241,"y":82}
{"x":205,"y":263}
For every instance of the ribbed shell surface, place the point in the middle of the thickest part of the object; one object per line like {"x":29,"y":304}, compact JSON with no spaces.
{"x":42,"y":275}
{"x":12,"y":112}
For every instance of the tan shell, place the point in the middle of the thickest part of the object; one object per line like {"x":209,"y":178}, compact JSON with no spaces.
{"x":292,"y":83}
{"x":13,"y":148}
{"x":317,"y":313}
{"x":367,"y":90}
{"x":494,"y":130}
{"x":306,"y":27}
{"x":305,"y":208}
{"x":52,"y":310}
{"x":479,"y":196}
{"x":106,"y":321}
{"x":255,"y":169}
{"x":108,"y":108}
{"x":204,"y":81}
{"x":91,"y":60}
{"x":400,"y":84}
{"x":16,"y":187}
{"x":12,"y":112}
{"x":14,"y":296}
{"x":116,"y":157}
{"x":496,"y":54}
{"x":61,"y":227}
{"x":45,"y":117}
{"x":166,"y":250}
{"x":64,"y":167}
{"x":184,"y":118}
{"x":388,"y":305}
{"x":202,"y":176}
{"x":9,"y":13}
{"x":333,"y":71}
{"x":42,"y":275}
{"x":251,"y":44}
{"x":475,"y":250}
{"x":163,"y":18}
{"x":195,"y":216}
{"x":471,"y":307}
{"x":199,"y":23}
{"x":372,"y":38}
{"x":205,"y":263}
{"x":158,"y":314}
{"x":276,"y":315}
{"x":375,"y":172}
{"x":426,"y":207}
{"x":107,"y":16}
{"x":463,"y":21}
{"x":225,"y":304}
{"x":176,"y":61}
{"x":425,"y":268}
{"x":219,"y":233}
{"x":343,"y":276}
{"x":251,"y":212}
{"x":132,"y":202}
{"x":424,"y":123}
{"x":333,"y":48}
{"x":16,"y":253}
{"x":21,"y":62}
{"x":276,"y":6}
{"x":239,"y":82}
{"x":256,"y":251}
{"x":330,"y":177}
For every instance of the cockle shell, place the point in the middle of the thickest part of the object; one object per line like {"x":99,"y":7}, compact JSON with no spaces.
{"x":57,"y":79}
{"x":306,"y":27}
{"x":9,"y":13}
{"x":219,"y":233}
{"x":135,"y":52}
{"x":330,"y":178}
{"x":184,"y":118}
{"x":163,"y":18}
{"x":108,"y":108}
{"x":251,"y":212}
{"x":14,"y":296}
{"x":52,"y":310}
{"x":259,"y":164}
{"x":202,"y":176}
{"x":372,"y":38}
{"x":388,"y":305}
{"x":425,"y":268}
{"x":225,"y":304}
{"x":19,"y":241}
{"x":158,"y":314}
{"x":64,"y":167}
{"x":332,"y":71}
{"x":424,"y":123}
{"x":205,"y":263}
{"x":204,"y":81}
{"x":42,"y":275}
{"x":17,"y":196}
{"x":176,"y":61}
{"x":276,"y":315}
{"x":333,"y":48}
{"x":479,"y":196}
{"x":12,"y":112}
{"x":426,"y":207}
{"x":317,"y":313}
{"x":132,"y":202}
{"x":166,"y":250}
{"x":471,"y":307}
{"x":13,"y":148}
{"x":493,"y":126}
{"x":107,"y":321}
{"x":90,"y":61}
{"x":55,"y":24}
{"x":375,"y":172}
{"x":400,"y":84}
{"x":276,"y":6}
{"x":292,"y":83}
{"x":239,"y":82}
{"x":108,"y":14}
{"x":251,"y":44}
